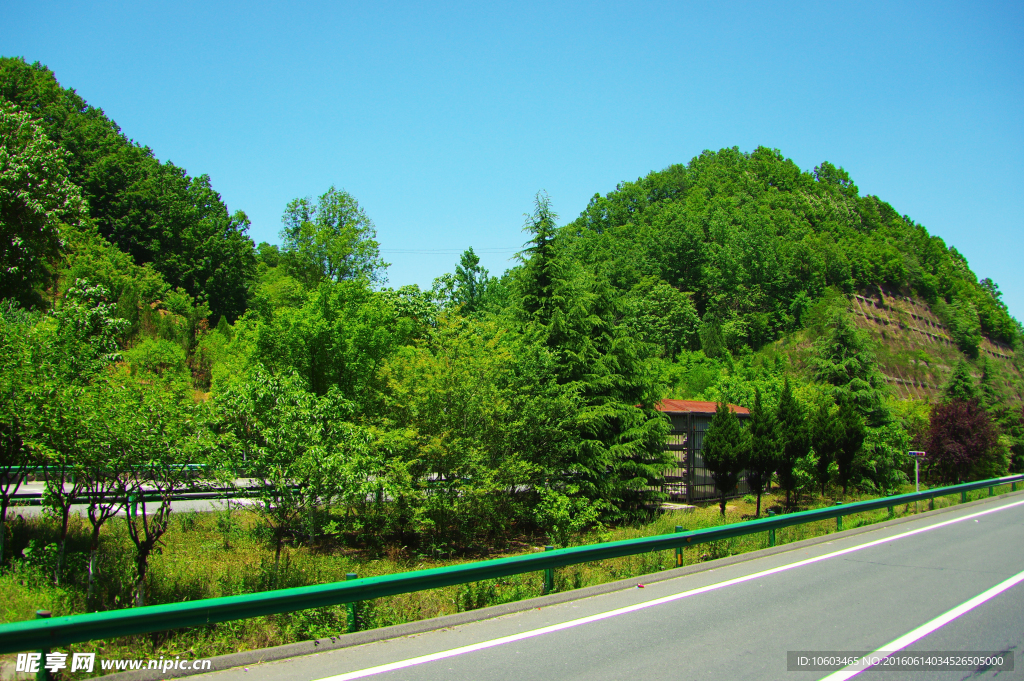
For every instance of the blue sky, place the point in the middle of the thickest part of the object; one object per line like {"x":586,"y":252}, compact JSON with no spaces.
{"x":444,"y":119}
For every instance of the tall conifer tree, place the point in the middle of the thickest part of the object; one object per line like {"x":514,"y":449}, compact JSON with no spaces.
{"x":852,"y":433}
{"x":724,"y":451}
{"x":794,"y":438}
{"x":574,"y":311}
{"x":961,"y":384}
{"x":826,"y":438}
{"x":764,"y":449}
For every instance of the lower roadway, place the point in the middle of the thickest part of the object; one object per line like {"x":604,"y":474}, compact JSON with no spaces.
{"x":853,"y":593}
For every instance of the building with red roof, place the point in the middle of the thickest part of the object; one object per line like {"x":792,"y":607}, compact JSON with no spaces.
{"x":689,"y":480}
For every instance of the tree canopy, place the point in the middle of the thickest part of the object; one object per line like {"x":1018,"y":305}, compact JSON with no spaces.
{"x":330,"y":240}
{"x":37,"y":200}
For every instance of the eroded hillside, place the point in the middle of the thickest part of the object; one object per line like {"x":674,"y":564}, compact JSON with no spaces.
{"x":916,"y":351}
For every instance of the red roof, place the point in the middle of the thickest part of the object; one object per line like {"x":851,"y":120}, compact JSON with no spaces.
{"x":693,"y":407}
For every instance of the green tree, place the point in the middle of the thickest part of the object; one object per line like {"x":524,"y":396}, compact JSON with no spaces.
{"x":81,"y":336}
{"x":330,"y":240}
{"x":37,"y":199}
{"x":70,"y":346}
{"x":827,"y":438}
{"x":764,"y":449}
{"x":287,"y":438}
{"x":536,"y":276}
{"x":724,"y":451}
{"x":339,"y":338}
{"x":961,"y":384}
{"x":794,"y":437}
{"x":851,"y":426}
{"x":574,"y":311}
{"x":965,"y":326}
{"x":711,"y":338}
{"x":104,"y":466}
{"x":15,"y":389}
{"x":163,"y":434}
{"x":845,"y":360}
{"x":61,"y":438}
{"x":885,"y":457}
{"x":471,"y":282}
{"x":990,"y":391}
{"x":658,"y":313}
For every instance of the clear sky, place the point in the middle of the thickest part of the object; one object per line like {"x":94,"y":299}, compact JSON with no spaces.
{"x":444,"y":119}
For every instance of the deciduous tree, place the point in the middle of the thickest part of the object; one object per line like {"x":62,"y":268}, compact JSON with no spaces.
{"x":36,"y":199}
{"x":330,"y":240}
{"x":960,"y":435}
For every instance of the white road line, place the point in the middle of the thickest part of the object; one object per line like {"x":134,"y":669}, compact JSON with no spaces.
{"x":483,"y":645}
{"x":927,"y":628}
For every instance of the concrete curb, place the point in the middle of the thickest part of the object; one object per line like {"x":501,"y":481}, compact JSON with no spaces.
{"x":255,"y":657}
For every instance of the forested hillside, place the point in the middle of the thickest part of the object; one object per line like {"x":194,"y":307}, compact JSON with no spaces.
{"x":143,"y":330}
{"x":756,"y":240}
{"x":151,"y":211}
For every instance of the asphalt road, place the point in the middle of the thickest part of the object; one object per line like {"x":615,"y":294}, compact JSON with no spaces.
{"x":855,"y":593}
{"x":178,"y":506}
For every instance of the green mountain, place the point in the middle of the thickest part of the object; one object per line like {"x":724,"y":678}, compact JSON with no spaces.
{"x":754,"y":243}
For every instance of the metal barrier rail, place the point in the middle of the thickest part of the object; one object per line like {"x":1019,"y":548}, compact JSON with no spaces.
{"x":61,"y":631}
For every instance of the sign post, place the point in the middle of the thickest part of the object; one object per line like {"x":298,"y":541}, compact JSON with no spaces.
{"x":917,"y":476}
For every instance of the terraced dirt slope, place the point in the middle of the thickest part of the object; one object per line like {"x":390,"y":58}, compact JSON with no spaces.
{"x":916,"y":351}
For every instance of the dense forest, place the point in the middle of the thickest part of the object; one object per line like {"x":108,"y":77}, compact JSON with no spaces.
{"x":143,"y":331}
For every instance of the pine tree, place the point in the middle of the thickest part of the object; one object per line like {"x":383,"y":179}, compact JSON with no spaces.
{"x":989,"y":391}
{"x":826,"y":437}
{"x":794,"y":438}
{"x":845,"y":360}
{"x":574,"y":311}
{"x":538,"y":258}
{"x":852,"y":434}
{"x":961,"y":384}
{"x":764,"y":449}
{"x":724,"y":451}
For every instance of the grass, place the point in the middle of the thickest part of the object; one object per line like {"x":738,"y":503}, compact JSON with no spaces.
{"x":206,"y":555}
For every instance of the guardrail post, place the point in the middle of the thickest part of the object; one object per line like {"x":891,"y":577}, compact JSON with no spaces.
{"x":771,"y":532}
{"x":963,"y":496}
{"x":931,"y":504}
{"x":1013,"y":486}
{"x":891,"y":513}
{"x":990,"y":490}
{"x":839,"y":519}
{"x":549,"y":575}
{"x":43,"y":674}
{"x":680,"y":558}
{"x":353,"y":608}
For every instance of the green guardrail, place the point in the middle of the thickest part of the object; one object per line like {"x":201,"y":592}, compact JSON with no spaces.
{"x":62,"y":631}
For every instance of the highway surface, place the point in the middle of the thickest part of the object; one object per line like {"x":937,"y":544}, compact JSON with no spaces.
{"x":178,"y":506}
{"x":854,"y":593}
